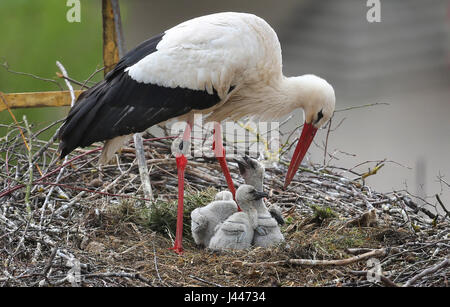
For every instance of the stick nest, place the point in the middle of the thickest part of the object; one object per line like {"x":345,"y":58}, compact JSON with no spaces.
{"x":71,"y":223}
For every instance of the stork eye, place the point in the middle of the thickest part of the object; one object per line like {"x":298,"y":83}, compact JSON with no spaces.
{"x":319,"y":116}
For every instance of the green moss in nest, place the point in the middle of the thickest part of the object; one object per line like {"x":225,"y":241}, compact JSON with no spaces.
{"x":162,"y":216}
{"x":322,"y":214}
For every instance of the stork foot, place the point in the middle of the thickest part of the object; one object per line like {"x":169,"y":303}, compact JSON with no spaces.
{"x":177,"y":248}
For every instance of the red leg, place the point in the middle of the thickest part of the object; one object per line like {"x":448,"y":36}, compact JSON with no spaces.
{"x":181,"y":166}
{"x":219,"y":151}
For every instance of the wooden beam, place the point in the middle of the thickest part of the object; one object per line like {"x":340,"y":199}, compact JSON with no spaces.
{"x":62,"y":98}
{"x":110,"y":47}
{"x":37,"y":99}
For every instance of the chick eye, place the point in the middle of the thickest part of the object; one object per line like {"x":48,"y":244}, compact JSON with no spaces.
{"x":319,"y":116}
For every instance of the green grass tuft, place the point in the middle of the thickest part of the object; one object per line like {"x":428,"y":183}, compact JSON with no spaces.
{"x":322,"y":214}
{"x":162,"y":216}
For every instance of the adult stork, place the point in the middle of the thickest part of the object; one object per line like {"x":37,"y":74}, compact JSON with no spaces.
{"x":225,"y":65}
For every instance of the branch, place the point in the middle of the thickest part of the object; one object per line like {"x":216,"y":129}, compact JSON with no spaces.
{"x":121,"y":275}
{"x":142,"y":164}
{"x":363,"y":106}
{"x":30,"y":168}
{"x":59,"y":75}
{"x":442,"y":205}
{"x":428,"y":271}
{"x":6,"y":66}
{"x":310,"y":262}
{"x":386,"y":281}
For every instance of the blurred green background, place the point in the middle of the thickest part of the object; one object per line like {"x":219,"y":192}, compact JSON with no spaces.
{"x":33,"y":36}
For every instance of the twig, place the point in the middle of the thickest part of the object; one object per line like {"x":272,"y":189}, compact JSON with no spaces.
{"x":428,"y":271}
{"x":155,"y":261}
{"x":30,"y":169}
{"x":205,"y":281}
{"x":69,"y":86}
{"x":50,"y":262}
{"x":372,"y":172}
{"x":59,"y":75}
{"x":363,"y":106}
{"x":6,"y":66}
{"x":121,"y":275}
{"x":72,"y":95}
{"x":310,"y":262}
{"x":15,"y":120}
{"x":142,"y":164}
{"x":91,"y":76}
{"x":326,"y":141}
{"x":386,"y":281}
{"x":447,"y":213}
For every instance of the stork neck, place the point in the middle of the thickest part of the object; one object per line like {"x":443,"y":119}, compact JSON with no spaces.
{"x":295,"y":89}
{"x":255,"y":181}
{"x":283,"y":96}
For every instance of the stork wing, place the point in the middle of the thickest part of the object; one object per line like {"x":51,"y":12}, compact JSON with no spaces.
{"x":191,"y":66}
{"x":205,"y":53}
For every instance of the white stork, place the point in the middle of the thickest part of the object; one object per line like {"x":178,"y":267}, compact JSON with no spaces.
{"x":225,"y":65}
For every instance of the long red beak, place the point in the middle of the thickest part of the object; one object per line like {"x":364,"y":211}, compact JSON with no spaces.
{"x":308,"y":133}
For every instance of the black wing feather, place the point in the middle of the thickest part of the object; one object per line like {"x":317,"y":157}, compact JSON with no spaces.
{"x":119,"y":105}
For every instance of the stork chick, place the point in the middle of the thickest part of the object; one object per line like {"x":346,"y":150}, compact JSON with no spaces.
{"x":238,"y":230}
{"x":253,"y":173}
{"x":204,"y":220}
{"x":268,"y":232}
{"x":224,"y":195}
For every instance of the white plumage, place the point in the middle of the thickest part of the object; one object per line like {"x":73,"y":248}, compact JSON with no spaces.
{"x":207,"y":52}
{"x":235,"y":51}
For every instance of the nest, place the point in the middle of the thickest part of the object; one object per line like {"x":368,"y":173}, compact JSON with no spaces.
{"x":72,"y":223}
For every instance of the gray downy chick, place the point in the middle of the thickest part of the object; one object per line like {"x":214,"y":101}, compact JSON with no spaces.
{"x":237,"y":231}
{"x":253,"y":173}
{"x":267,"y":233}
{"x":224,"y":195}
{"x":204,"y":220}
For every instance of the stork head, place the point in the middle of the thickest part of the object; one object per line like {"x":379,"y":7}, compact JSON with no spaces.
{"x":252,"y":171}
{"x":317,"y":99}
{"x":224,"y":195}
{"x":246,"y":195}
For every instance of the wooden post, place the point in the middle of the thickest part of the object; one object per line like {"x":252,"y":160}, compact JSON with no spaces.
{"x":110,"y":48}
